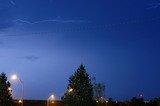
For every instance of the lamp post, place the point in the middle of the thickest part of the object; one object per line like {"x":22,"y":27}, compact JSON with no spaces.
{"x":51,"y":98}
{"x":106,"y":102}
{"x":15,"y":77}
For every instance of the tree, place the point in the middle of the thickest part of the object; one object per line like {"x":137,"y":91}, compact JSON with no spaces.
{"x":5,"y":92}
{"x":80,"y":89}
{"x":137,"y":101}
{"x":99,"y":92}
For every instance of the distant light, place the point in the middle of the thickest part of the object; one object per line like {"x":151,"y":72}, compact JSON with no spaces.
{"x":97,"y":101}
{"x":106,"y":101}
{"x":14,"y":77}
{"x":52,"y":97}
{"x":19,"y":101}
{"x":9,"y":88}
{"x":146,"y":101}
{"x":70,"y":90}
{"x":52,"y":101}
{"x":141,"y":95}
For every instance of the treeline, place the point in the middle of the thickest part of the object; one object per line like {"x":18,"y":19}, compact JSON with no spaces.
{"x":133,"y":102}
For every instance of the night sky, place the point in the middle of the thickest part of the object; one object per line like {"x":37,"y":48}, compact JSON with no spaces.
{"x":45,"y":41}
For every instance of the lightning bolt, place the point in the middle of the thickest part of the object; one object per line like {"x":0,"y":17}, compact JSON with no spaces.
{"x":154,"y":5}
{"x":12,"y":2}
{"x":36,"y":22}
{"x":52,"y":20}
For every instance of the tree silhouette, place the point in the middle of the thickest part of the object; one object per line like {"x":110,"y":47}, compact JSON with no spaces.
{"x":99,"y":92}
{"x":137,"y":101}
{"x":5,"y":92}
{"x":80,"y":89}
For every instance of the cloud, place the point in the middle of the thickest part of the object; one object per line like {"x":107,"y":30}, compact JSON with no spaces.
{"x":44,"y":21}
{"x":31,"y":57}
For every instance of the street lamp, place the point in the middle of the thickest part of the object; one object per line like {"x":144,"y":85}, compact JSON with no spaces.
{"x":70,"y":90}
{"x":106,"y":102}
{"x":15,"y":77}
{"x":10,"y":89}
{"x":51,"y":98}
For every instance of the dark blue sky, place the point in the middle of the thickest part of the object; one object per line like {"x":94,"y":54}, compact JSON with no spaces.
{"x":44,"y":42}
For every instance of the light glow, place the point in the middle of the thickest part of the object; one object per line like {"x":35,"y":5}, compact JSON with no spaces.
{"x":14,"y":77}
{"x":52,"y":97}
{"x":9,"y":88}
{"x":70,"y":90}
{"x":19,"y":101}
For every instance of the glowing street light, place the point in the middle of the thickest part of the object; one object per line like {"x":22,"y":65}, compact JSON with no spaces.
{"x":141,"y":95}
{"x":70,"y":90}
{"x":20,"y":101}
{"x":50,"y":99}
{"x":106,"y":102}
{"x":14,"y":78}
{"x":10,"y":89}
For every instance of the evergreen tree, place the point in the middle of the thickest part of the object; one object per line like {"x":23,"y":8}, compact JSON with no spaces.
{"x":5,"y":92}
{"x":80,"y":89}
